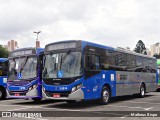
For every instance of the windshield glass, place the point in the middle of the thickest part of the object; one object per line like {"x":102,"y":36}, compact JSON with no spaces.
{"x":22,"y":67}
{"x":13,"y":67}
{"x":63,"y":65}
{"x":29,"y":68}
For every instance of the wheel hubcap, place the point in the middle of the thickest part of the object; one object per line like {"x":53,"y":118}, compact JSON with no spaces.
{"x":142,"y":91}
{"x":105,"y":96}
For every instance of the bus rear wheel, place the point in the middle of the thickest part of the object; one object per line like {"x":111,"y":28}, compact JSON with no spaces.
{"x":142,"y":91}
{"x":2,"y":94}
{"x":105,"y":96}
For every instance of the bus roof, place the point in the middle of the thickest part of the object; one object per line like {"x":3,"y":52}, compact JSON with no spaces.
{"x":3,"y":59}
{"x":25,"y":51}
{"x":103,"y":46}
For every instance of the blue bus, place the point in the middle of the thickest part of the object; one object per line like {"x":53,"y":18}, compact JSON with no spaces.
{"x":81,"y":70}
{"x":24,"y":74}
{"x":3,"y":77}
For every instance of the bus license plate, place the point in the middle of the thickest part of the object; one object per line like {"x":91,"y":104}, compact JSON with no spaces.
{"x":17,"y":94}
{"x":56,"y":95}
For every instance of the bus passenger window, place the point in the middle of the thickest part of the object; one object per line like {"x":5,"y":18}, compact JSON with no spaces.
{"x":97,"y":62}
{"x":93,"y":62}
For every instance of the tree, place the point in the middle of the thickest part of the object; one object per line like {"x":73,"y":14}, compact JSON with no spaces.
{"x":140,"y":47}
{"x":3,"y":52}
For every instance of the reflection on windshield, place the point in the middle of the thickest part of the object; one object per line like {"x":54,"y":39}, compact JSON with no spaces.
{"x":25,"y":66}
{"x":28,"y":70}
{"x":63,"y":65}
{"x":13,"y":68}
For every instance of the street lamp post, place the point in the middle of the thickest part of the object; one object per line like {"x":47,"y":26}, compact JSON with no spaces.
{"x":37,"y":42}
{"x":37,"y":34}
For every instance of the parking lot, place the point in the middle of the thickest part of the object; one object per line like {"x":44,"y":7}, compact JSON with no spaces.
{"x":119,"y":108}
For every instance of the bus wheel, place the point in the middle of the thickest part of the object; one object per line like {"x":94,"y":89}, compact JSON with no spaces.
{"x":142,"y":91}
{"x":105,"y":96}
{"x":2,"y":94}
{"x":36,"y":99}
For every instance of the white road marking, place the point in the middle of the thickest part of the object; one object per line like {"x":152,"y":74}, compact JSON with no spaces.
{"x":131,"y":107}
{"x":142,"y":102}
{"x":19,"y":109}
{"x":148,"y":108}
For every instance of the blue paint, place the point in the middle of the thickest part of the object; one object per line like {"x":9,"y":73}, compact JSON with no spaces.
{"x":2,"y":78}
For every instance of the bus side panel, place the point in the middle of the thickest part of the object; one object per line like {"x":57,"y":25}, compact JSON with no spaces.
{"x":110,"y":80}
{"x":92,"y":87}
{"x":151,"y":84}
{"x":95,"y":84}
{"x":3,"y":81}
{"x":128,"y":83}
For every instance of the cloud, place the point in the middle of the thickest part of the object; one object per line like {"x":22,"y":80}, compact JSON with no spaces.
{"x":110,"y":22}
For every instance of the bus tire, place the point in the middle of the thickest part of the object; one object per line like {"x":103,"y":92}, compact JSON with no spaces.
{"x":2,"y":94}
{"x":105,"y":96}
{"x":142,"y":91}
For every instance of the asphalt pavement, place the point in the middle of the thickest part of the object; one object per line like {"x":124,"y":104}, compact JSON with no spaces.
{"x":126,"y":107}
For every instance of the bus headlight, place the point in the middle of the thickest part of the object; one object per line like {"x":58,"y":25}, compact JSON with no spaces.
{"x":79,"y":86}
{"x":73,"y":89}
{"x":34,"y":86}
{"x":30,"y":88}
{"x":43,"y":89}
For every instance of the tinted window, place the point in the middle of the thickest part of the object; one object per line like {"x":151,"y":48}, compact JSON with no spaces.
{"x":131,"y":62}
{"x":93,"y":62}
{"x":139,"y":62}
{"x":120,"y":61}
{"x":107,"y":61}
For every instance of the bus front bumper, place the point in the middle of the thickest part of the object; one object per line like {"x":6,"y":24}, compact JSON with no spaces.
{"x":77,"y":95}
{"x":22,"y":94}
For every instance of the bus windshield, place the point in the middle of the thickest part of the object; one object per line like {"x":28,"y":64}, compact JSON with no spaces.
{"x":63,"y":65}
{"x":26,"y":66}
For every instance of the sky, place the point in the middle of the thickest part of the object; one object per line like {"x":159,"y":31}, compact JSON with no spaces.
{"x":117,"y":23}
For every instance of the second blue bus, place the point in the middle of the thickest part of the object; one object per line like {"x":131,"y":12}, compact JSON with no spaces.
{"x":24,"y":75}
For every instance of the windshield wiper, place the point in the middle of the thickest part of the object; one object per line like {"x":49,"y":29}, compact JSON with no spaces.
{"x":63,"y":58}
{"x":23,"y":64}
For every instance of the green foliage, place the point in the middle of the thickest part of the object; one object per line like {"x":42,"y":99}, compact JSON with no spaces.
{"x":3,"y":52}
{"x":140,"y":47}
